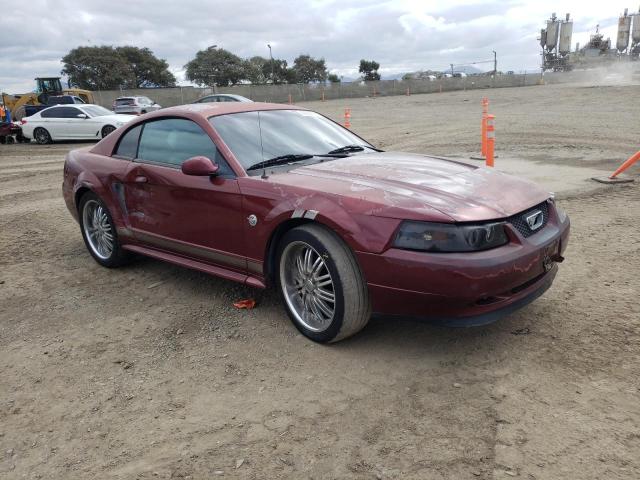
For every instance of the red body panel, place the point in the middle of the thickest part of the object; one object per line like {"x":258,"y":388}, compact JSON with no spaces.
{"x":203,"y":215}
{"x":201,"y":222}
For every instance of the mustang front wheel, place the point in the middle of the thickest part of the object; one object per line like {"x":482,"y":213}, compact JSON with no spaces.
{"x":321,"y":284}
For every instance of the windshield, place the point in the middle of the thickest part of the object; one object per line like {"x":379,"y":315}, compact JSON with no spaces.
{"x":96,"y":111}
{"x":257,"y":136}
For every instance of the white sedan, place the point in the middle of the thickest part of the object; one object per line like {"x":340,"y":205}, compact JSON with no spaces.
{"x":72,"y":122}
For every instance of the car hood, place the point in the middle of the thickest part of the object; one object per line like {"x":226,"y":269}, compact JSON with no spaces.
{"x":411,"y":186}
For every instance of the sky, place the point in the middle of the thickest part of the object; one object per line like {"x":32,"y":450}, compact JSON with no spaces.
{"x":401,"y":35}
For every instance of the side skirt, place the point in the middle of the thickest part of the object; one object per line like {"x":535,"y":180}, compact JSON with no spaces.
{"x":195,"y":265}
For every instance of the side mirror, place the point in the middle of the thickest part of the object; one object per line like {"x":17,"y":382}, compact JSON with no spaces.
{"x":82,"y":115}
{"x":199,"y":166}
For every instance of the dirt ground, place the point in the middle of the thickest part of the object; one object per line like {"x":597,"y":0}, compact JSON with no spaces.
{"x":149,"y":372}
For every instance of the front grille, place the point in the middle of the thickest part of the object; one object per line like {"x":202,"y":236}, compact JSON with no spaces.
{"x":520,"y":223}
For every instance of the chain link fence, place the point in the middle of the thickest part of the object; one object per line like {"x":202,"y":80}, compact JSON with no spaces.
{"x":168,"y":97}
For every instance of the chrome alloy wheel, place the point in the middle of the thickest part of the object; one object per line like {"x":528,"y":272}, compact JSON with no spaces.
{"x":97,"y":229}
{"x":307,"y":286}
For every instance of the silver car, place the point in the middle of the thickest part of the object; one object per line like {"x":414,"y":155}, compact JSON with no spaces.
{"x":135,"y":105}
{"x":223,"y":97}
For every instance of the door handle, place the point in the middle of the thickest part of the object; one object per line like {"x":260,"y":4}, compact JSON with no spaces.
{"x":141,"y":179}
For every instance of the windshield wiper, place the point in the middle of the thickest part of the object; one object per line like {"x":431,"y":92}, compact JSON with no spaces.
{"x":352,"y":148}
{"x":281,"y":160}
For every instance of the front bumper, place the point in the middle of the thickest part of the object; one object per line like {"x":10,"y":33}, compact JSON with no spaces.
{"x":466,"y":288}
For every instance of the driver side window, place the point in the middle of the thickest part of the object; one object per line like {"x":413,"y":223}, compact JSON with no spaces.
{"x":171,"y":141}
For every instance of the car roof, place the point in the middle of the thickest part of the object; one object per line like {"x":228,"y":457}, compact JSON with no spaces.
{"x":232,"y":95}
{"x":214,"y":109}
{"x":191,"y":111}
{"x":228,"y":95}
{"x":72,"y":105}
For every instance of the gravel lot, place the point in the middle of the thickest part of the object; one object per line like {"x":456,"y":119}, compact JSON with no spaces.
{"x":149,"y":372}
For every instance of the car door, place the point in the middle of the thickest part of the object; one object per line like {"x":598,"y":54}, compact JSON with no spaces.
{"x":73,"y":127}
{"x":52,"y":120}
{"x":194,"y":216}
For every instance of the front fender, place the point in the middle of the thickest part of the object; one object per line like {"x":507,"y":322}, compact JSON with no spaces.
{"x":361,"y":232}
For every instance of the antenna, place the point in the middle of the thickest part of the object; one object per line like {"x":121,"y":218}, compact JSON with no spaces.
{"x":264,"y":169}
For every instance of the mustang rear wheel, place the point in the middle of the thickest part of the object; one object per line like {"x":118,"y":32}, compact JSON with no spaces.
{"x":99,"y":232}
{"x":42,"y":136}
{"x":321,"y":284}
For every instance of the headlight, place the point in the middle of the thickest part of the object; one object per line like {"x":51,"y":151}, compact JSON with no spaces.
{"x":562,"y":215}
{"x":445,"y":237}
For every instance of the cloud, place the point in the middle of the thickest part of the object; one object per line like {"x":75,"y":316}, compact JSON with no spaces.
{"x":402,"y":35}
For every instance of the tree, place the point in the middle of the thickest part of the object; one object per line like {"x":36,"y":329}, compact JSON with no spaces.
{"x":95,"y":68}
{"x":146,"y":69}
{"x":256,"y":69}
{"x":107,"y":68}
{"x":215,"y":66}
{"x":309,"y":69}
{"x":281,"y":73}
{"x":333,"y":78}
{"x":370,"y":69}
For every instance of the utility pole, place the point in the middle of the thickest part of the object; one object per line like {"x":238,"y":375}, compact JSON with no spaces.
{"x":452,"y":69}
{"x":211,"y":75}
{"x":271,"y":56}
{"x":495,"y":63}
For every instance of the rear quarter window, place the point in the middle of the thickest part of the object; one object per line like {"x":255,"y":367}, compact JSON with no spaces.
{"x":53,"y":113}
{"x":128,"y":144}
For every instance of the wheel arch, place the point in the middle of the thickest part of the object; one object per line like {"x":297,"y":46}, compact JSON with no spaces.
{"x":78,"y":195}
{"x":273,"y":242}
{"x":108,"y":125}
{"x":41,"y":127}
{"x":289,"y":224}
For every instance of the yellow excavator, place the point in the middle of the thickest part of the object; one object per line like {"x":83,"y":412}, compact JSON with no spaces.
{"x":45,"y":87}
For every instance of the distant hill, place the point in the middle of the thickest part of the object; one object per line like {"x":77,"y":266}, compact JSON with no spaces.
{"x":467,"y":69}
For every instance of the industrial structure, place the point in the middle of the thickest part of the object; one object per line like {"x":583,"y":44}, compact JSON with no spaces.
{"x":555,"y":41}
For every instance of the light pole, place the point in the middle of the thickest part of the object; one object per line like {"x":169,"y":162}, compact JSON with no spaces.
{"x":213,"y":47}
{"x":271,"y":57}
{"x":495,"y":63}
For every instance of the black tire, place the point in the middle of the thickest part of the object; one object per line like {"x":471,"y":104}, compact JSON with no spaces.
{"x":107,"y":129}
{"x":3,"y":140}
{"x":42,"y":136}
{"x":19,"y":114}
{"x":118,"y":256}
{"x":351,"y":306}
{"x":10,"y":140}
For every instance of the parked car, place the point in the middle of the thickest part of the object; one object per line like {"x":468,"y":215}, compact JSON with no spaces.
{"x":11,"y":132}
{"x":223,"y":97}
{"x":77,"y":122}
{"x":51,"y":101}
{"x":64,"y":100}
{"x":135,"y":105}
{"x":266,"y":194}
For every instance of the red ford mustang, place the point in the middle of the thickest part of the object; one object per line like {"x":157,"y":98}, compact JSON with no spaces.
{"x":271,"y":194}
